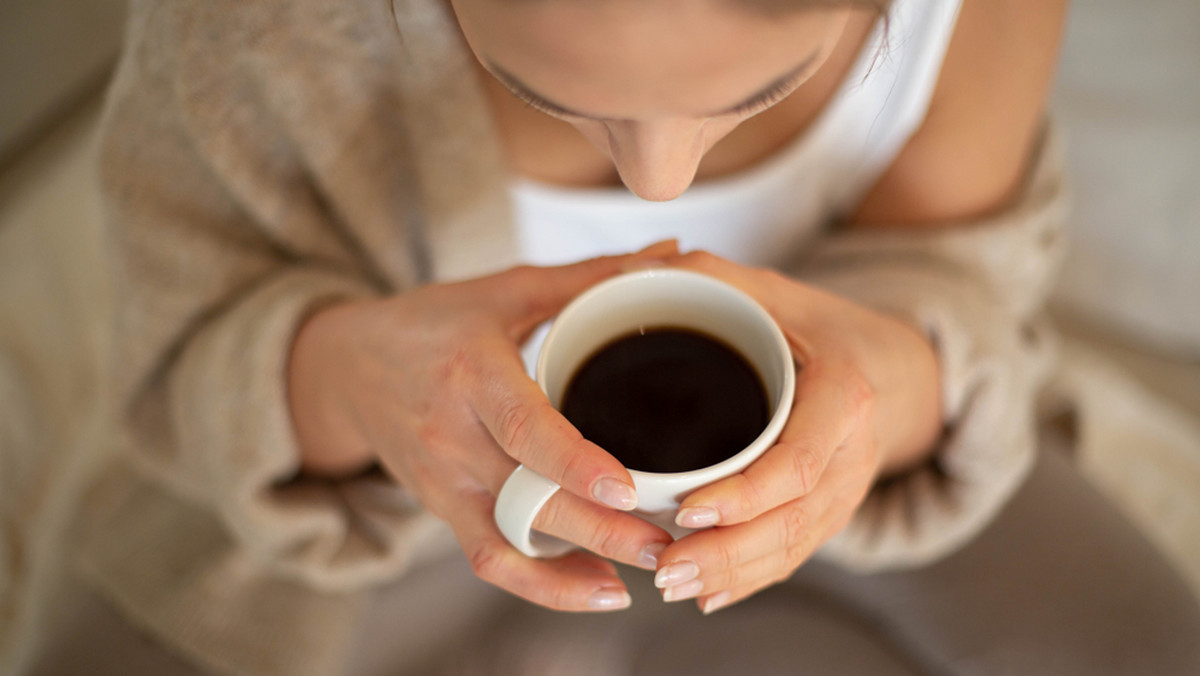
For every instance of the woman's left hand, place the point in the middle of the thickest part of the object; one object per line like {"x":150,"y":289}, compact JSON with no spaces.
{"x":867,"y":403}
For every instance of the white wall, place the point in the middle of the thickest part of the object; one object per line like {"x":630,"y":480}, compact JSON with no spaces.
{"x":1128,"y":96}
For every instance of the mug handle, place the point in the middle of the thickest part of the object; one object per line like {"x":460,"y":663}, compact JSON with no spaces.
{"x":521,"y":498}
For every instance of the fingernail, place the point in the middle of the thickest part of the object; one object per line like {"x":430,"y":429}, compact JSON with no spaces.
{"x":609,"y":599}
{"x":648,"y":557}
{"x":715,"y":602}
{"x":615,"y":494}
{"x":683,"y":591}
{"x":697,"y":517}
{"x":676,"y":573}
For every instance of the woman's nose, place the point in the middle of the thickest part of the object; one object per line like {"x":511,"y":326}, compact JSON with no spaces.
{"x":657,"y":159}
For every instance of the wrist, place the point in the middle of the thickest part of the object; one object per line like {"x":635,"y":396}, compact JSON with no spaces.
{"x":909,"y":421}
{"x":328,"y":442}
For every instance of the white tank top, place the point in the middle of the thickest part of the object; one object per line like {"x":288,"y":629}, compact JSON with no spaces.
{"x":763,"y":215}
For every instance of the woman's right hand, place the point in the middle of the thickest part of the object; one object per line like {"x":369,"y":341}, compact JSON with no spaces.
{"x":431,"y":385}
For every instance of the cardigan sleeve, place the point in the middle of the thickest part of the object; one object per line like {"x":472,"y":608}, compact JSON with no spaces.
{"x":975,"y":289}
{"x":232,"y":219}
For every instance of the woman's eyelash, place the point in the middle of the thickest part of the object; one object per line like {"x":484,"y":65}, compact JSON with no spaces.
{"x":538,"y":105}
{"x":766,"y":100}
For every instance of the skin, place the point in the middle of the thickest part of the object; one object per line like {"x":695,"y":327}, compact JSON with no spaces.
{"x":429,"y":383}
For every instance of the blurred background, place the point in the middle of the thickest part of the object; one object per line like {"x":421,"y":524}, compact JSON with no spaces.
{"x":1128,"y":304}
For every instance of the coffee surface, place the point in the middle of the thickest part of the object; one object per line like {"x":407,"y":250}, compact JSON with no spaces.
{"x":667,"y":400}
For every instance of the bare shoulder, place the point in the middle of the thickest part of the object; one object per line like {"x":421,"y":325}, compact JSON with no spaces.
{"x":970,"y":154}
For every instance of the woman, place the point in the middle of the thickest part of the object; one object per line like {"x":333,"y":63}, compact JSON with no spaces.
{"x":297,"y":189}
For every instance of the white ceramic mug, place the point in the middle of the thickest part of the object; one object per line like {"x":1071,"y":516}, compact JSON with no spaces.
{"x":662,"y":297}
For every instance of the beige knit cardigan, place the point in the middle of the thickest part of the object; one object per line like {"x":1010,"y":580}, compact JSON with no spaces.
{"x":262,"y":159}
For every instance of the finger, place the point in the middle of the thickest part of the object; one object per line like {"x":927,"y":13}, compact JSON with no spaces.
{"x":718,"y":557}
{"x":530,"y":295}
{"x":749,"y":279}
{"x":532,"y":432}
{"x":575,"y":582}
{"x":774,"y":565}
{"x":613,"y":535}
{"x":756,"y":575}
{"x":779,"y":294}
{"x":711,"y":603}
{"x":722,"y":589}
{"x":769,"y":569}
{"x":830,"y":404}
{"x":715,"y":553}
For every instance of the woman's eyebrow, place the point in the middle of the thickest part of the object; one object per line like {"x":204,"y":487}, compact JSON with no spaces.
{"x":523,"y":92}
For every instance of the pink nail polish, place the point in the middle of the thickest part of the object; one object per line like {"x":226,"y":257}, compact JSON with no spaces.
{"x":615,"y":494}
{"x":715,"y":602}
{"x":697,"y":517}
{"x":648,"y":557}
{"x":676,"y":573}
{"x":609,"y":599}
{"x":683,"y":591}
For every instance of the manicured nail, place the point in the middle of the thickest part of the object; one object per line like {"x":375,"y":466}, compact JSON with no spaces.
{"x":648,"y":557}
{"x":697,"y":517}
{"x":615,"y":494}
{"x":715,"y":602}
{"x":676,"y":573}
{"x":609,"y":599}
{"x":683,"y":591}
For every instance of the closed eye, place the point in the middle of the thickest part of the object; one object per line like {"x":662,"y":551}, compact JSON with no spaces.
{"x":768,"y":97}
{"x":776,"y":93}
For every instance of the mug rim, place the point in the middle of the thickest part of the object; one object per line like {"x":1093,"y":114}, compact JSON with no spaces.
{"x":774,"y":427}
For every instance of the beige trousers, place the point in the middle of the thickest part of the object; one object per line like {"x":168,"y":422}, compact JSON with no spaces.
{"x":1059,"y":584}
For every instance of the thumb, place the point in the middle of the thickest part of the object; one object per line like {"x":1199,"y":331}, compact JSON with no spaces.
{"x":531,"y":295}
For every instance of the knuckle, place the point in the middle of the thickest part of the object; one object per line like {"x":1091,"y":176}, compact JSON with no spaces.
{"x":734,"y":577}
{"x":458,"y":373}
{"x":726,"y":555}
{"x":575,"y":460}
{"x":806,"y":467}
{"x":796,"y":524}
{"x":516,"y":425}
{"x":861,"y":395}
{"x":522,"y":275}
{"x":524,"y":282}
{"x":700,"y":259}
{"x":609,"y":540}
{"x":431,"y":435}
{"x":456,"y":366}
{"x":560,"y":597}
{"x":486,"y":562}
{"x":750,"y":498}
{"x":793,"y":558}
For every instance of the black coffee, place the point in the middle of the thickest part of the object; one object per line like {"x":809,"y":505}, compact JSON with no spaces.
{"x":667,"y":400}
